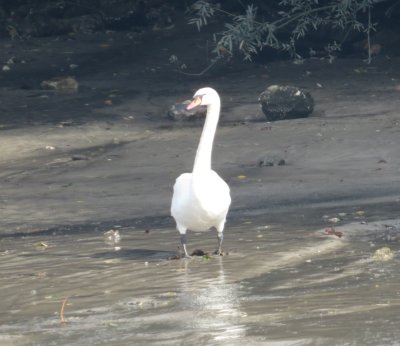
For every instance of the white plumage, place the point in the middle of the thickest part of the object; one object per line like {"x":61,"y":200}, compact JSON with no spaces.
{"x":201,"y":199}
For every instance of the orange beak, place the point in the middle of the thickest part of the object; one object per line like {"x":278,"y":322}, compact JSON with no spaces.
{"x":195,"y":102}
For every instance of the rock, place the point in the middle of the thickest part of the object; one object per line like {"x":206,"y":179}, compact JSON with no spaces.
{"x":178,"y":112}
{"x":198,"y":252}
{"x":62,"y":84}
{"x":281,"y":102}
{"x":266,"y":162}
{"x":383,"y":254}
{"x":78,"y":157}
{"x":272,"y":158}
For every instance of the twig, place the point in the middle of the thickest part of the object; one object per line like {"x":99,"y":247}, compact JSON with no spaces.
{"x":391,"y":8}
{"x":62,"y":319}
{"x":282,"y":22}
{"x":286,"y":21}
{"x":369,"y":35}
{"x":200,"y":73}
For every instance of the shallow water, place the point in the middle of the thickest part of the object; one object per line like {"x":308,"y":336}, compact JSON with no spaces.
{"x":276,"y":286}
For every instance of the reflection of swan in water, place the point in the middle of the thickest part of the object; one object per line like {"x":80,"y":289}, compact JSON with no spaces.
{"x":213,"y":304}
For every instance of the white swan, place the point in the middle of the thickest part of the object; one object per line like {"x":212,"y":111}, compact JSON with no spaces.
{"x":201,"y":199}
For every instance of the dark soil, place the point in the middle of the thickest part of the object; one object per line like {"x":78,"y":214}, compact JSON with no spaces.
{"x":75,"y":164}
{"x":109,"y":152}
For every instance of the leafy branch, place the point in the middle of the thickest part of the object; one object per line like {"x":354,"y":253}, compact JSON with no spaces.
{"x":247,"y":34}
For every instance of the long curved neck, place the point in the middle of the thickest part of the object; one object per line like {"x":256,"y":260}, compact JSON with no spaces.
{"x":202,"y":161}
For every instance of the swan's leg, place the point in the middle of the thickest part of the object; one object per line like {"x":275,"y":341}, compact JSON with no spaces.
{"x":182,"y":230}
{"x":220,"y":235}
{"x":183,"y":242}
{"x":218,"y":251}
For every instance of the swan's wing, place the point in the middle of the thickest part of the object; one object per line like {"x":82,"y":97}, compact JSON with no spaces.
{"x":182,"y":183}
{"x":181,"y":195}
{"x":213,"y":194}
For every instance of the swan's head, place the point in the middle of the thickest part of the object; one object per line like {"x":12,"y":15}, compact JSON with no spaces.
{"x":203,"y":97}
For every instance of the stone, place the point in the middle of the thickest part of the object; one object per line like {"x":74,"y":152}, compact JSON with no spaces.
{"x":178,"y":112}
{"x":61,"y":84}
{"x":281,"y":102}
{"x":383,"y":254}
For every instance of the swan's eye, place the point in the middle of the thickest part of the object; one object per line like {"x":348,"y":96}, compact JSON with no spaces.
{"x":198,"y":99}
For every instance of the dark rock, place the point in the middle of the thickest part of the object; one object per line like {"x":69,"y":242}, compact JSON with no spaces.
{"x":281,"y":162}
{"x":265,"y":163}
{"x":79,"y":157}
{"x":178,"y":112}
{"x":198,"y":252}
{"x":281,"y":102}
{"x":270,"y":162}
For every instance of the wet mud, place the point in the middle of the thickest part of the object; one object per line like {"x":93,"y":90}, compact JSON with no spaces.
{"x":277,"y":285}
{"x":75,"y":166}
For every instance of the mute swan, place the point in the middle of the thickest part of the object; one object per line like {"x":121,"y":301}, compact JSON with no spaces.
{"x":201,"y":199}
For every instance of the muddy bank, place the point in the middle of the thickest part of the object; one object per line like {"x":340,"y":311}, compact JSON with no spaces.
{"x":108,"y":151}
{"x":105,"y":157}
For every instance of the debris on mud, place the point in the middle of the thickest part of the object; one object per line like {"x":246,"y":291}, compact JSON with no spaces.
{"x":281,"y":102}
{"x":62,"y":318}
{"x":266,"y":162}
{"x":332,"y":231}
{"x":383,"y":254}
{"x":198,"y":252}
{"x":79,"y":157}
{"x":241,"y":177}
{"x":175,"y":257}
{"x":41,"y":245}
{"x":178,"y":112}
{"x":66,"y":85}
